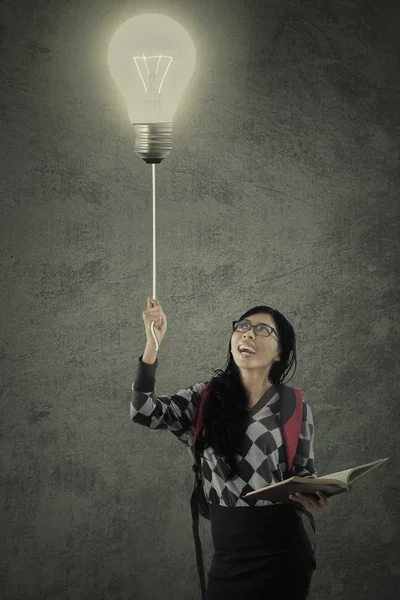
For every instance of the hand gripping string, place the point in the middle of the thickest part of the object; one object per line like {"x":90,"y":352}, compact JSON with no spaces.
{"x":154,"y":248}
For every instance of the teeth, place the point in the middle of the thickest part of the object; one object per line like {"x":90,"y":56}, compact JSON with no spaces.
{"x":246,"y":348}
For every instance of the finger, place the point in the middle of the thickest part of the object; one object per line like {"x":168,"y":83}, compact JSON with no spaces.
{"x":319,"y":505}
{"x":323,"y":499}
{"x":296,"y":499}
{"x":309,"y":503}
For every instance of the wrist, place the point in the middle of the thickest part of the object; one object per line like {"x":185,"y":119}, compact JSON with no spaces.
{"x":150,"y":354}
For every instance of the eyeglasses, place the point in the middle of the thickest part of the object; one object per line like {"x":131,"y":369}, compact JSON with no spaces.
{"x":259,"y":329}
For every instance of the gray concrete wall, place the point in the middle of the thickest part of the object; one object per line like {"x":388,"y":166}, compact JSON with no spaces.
{"x":287,"y":138}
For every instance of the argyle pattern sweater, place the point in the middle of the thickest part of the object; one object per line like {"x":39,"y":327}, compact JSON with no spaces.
{"x":262,"y":459}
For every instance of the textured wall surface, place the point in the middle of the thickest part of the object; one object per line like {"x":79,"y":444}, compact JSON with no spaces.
{"x":283,"y":189}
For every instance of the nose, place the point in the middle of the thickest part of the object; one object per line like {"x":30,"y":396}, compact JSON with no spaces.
{"x":250,"y":332}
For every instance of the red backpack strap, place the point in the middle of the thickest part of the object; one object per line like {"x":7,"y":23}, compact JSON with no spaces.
{"x":199,"y":421}
{"x":291,"y":420}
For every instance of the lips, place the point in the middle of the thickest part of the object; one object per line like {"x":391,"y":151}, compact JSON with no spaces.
{"x":247,"y":347}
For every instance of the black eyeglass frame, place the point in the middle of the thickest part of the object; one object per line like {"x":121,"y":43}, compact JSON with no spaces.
{"x":273,"y":330}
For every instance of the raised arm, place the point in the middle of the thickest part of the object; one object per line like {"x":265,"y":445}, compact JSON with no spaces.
{"x":176,"y":413}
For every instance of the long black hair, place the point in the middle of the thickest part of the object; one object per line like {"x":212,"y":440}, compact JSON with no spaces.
{"x":225,"y":408}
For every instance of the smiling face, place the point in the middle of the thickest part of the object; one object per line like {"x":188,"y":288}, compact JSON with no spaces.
{"x":267,"y":348}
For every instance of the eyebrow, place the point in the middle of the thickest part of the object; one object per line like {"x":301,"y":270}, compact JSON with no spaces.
{"x":247,"y":321}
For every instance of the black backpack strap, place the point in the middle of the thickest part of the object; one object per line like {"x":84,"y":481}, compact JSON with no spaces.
{"x":289,"y":403}
{"x":310,"y":517}
{"x":197,"y":542}
{"x":193,"y":500}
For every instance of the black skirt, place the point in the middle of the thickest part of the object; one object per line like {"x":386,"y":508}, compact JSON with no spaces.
{"x":260,"y":552}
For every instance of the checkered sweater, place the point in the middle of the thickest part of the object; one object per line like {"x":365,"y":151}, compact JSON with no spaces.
{"x":262,"y":459}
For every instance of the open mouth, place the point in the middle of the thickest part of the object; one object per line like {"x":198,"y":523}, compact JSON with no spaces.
{"x":245,"y":352}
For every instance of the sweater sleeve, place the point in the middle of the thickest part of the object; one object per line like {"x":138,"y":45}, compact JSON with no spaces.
{"x":176,"y":413}
{"x":303,"y":462}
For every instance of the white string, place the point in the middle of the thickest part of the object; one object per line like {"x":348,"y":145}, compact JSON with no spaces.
{"x":154,"y":247}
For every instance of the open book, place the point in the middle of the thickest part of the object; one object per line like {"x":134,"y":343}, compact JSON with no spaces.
{"x":335,"y":483}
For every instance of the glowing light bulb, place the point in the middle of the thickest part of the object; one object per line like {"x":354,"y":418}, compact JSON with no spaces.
{"x":152,"y":59}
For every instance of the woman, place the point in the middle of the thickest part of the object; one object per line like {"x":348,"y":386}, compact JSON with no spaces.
{"x":260,"y":548}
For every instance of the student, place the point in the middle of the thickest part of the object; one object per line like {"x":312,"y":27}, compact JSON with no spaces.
{"x":261,"y":550}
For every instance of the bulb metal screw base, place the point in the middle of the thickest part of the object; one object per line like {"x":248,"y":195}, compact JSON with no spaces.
{"x":153,"y":141}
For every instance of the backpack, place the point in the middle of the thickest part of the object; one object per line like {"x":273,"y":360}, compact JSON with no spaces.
{"x":291,"y":410}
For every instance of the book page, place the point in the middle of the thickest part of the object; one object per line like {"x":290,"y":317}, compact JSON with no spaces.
{"x":350,"y":475}
{"x":360,"y":471}
{"x":340,"y":480}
